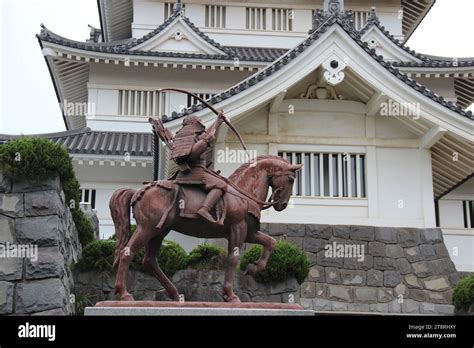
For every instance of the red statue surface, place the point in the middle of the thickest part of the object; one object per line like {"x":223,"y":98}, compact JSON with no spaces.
{"x":199,"y":202}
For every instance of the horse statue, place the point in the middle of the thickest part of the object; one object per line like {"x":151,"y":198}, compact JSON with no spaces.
{"x":200,"y":203}
{"x":241,"y":224}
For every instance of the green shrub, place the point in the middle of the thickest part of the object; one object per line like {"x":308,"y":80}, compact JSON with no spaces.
{"x":34,"y":159}
{"x":463,"y":296}
{"x":287,"y":261}
{"x":85,"y":230}
{"x":207,"y":256}
{"x":172,"y":257}
{"x":98,"y":255}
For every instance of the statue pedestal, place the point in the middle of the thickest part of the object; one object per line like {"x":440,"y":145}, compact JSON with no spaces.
{"x":158,"y":308}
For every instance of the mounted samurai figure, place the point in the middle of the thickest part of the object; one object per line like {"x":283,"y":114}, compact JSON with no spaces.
{"x":199,"y":202}
{"x":188,"y":150}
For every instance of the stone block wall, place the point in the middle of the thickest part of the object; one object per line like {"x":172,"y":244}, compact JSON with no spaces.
{"x":404,"y":270}
{"x":35,"y":216}
{"x":195,"y":285}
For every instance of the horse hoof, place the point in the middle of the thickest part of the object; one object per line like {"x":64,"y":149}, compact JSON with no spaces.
{"x":175,"y":297}
{"x":232,"y":299}
{"x":127,"y":297}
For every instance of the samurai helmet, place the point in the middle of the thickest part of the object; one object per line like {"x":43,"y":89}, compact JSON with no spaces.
{"x":193,"y":124}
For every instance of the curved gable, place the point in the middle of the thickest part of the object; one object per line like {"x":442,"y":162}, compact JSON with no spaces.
{"x":179,"y":36}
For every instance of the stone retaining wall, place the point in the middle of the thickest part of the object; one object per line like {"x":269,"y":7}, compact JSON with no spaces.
{"x":35,"y":215}
{"x":404,"y":270}
{"x":92,"y":287}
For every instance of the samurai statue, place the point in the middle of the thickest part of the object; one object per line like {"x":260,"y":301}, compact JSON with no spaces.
{"x":188,"y":150}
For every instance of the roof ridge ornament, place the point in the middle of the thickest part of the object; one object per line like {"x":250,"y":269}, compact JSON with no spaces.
{"x":178,"y":7}
{"x":373,"y":18}
{"x":333,"y":8}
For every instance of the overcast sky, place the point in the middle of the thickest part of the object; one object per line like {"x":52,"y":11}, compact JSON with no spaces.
{"x":28,"y":102}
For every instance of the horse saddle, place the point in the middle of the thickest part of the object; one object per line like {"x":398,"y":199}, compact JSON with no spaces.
{"x":190,"y":200}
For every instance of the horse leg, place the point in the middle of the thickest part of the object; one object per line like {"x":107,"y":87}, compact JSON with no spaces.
{"x":150,"y":263}
{"x":236,"y":240}
{"x":126,"y":256}
{"x":268,"y":244}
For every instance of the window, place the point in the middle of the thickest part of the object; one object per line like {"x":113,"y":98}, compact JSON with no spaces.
{"x":360,"y":19}
{"x":191,"y":100}
{"x":256,"y":18}
{"x":468,"y":213}
{"x":169,"y":7}
{"x":282,"y":19}
{"x":140,"y":103}
{"x":215,"y":16}
{"x":328,"y":174}
{"x":88,"y":197}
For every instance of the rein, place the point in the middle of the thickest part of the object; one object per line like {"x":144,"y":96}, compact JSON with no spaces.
{"x":248,"y":195}
{"x":265,"y":205}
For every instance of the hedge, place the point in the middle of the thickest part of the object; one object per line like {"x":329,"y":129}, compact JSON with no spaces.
{"x":35,"y":159}
{"x":287,"y":261}
{"x":207,"y":256}
{"x":463,"y":295}
{"x":99,"y":256}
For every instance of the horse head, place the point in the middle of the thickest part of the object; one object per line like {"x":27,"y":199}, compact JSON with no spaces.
{"x":265,"y":171}
{"x":281,"y":182}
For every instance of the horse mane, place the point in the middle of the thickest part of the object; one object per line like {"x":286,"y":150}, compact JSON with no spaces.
{"x":245,"y":166}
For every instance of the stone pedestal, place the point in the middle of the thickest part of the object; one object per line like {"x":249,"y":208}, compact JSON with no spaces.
{"x":164,"y":308}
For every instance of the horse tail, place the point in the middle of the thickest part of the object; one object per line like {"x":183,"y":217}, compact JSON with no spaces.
{"x":120,"y":210}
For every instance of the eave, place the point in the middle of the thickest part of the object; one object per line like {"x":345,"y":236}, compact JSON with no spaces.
{"x":116,"y":18}
{"x":418,"y":65}
{"x":84,"y":143}
{"x":413,"y":14}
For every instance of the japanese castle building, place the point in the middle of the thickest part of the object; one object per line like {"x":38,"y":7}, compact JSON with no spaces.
{"x":382,"y":130}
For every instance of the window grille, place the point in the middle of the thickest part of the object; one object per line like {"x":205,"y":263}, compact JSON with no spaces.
{"x":468,"y":213}
{"x":88,"y":197}
{"x":215,"y":16}
{"x":282,"y":19}
{"x":255,"y":18}
{"x":140,"y":103}
{"x":191,"y":100}
{"x":328,"y":174}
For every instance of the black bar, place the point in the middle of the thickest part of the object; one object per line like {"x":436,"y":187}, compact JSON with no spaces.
{"x":288,"y":331}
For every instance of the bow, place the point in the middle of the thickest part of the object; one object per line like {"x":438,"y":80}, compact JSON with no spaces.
{"x":226,"y":121}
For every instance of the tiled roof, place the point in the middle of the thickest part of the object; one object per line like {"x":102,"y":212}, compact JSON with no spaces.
{"x":87,"y":141}
{"x":176,"y":14}
{"x":249,"y":54}
{"x":260,"y":54}
{"x":94,"y":34}
{"x":314,"y":35}
{"x":426,"y":60}
{"x":126,"y":47}
{"x":439,"y":62}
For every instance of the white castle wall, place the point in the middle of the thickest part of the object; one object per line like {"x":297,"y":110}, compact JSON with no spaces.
{"x":459,"y":240}
{"x":149,"y":14}
{"x":398,"y":171}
